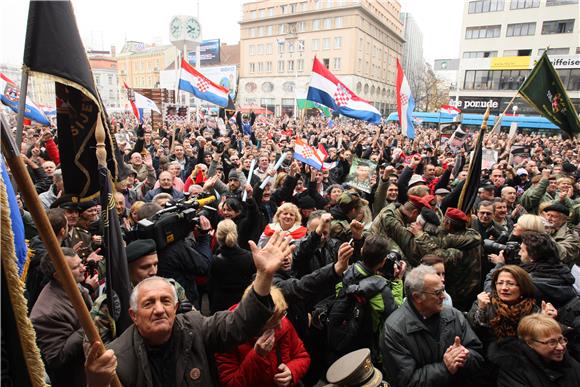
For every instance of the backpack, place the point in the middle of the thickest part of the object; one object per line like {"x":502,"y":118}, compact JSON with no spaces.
{"x":349,"y":324}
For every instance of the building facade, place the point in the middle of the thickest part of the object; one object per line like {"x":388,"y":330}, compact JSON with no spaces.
{"x":447,"y":70}
{"x":357,"y":40}
{"x":104,"y":68}
{"x":502,"y":40}
{"x":140,"y":65}
{"x":413,"y":62}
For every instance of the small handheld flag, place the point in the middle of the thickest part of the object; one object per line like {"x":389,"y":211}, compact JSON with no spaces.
{"x":139,"y":102}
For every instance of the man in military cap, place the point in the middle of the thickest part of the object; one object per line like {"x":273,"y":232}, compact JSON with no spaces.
{"x":77,"y":238}
{"x":393,"y":221}
{"x":355,"y":369}
{"x":461,"y":248}
{"x":567,"y":240}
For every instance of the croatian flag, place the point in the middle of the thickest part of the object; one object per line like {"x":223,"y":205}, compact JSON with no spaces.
{"x":195,"y":83}
{"x":449,"y":110}
{"x":10,"y":96}
{"x":307,"y":154}
{"x":405,"y":103}
{"x":326,"y":89}
{"x":139,"y":102}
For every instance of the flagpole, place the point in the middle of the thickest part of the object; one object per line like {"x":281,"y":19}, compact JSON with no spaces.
{"x":500,"y":117}
{"x":34,"y":206}
{"x":21,"y":106}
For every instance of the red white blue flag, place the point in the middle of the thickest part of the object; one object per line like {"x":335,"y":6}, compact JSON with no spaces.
{"x":196,"y":83}
{"x":405,"y":103}
{"x":327,"y":90}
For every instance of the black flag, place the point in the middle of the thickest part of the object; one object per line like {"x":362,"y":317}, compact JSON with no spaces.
{"x":118,"y":286}
{"x":53,"y":47}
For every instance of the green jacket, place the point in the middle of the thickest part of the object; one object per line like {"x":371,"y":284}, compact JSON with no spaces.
{"x":462,"y":253}
{"x":391,"y":224}
{"x":568,"y":245}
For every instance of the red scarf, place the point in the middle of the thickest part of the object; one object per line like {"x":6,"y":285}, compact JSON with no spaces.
{"x":296,"y":232}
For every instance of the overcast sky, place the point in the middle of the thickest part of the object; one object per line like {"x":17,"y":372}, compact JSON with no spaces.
{"x":106,"y":22}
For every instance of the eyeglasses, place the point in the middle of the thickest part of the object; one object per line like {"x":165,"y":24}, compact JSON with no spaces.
{"x":506,"y":284}
{"x":553,"y":343}
{"x":436,"y":292}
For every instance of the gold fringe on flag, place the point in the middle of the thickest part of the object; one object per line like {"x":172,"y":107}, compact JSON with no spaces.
{"x":26,"y":332}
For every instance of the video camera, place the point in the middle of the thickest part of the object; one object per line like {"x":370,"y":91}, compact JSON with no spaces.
{"x":392,"y":263}
{"x":172,"y":223}
{"x":511,"y":250}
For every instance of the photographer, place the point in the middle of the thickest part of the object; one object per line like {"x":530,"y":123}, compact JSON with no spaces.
{"x":184,"y":259}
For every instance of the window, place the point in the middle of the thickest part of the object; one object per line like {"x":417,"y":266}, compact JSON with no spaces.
{"x":291,"y":65}
{"x":282,"y":28}
{"x":268,"y":67}
{"x":281,"y":46}
{"x":326,"y":43}
{"x":480,"y":82}
{"x":338,"y":22}
{"x":301,"y":26}
{"x":269,"y":48}
{"x":262,"y":13}
{"x":300,"y":46}
{"x":326,"y":62}
{"x":550,"y":3}
{"x":271,"y":11}
{"x":261,"y":31}
{"x":327,"y":24}
{"x":469,"y":78}
{"x":482,"y":6}
{"x":280,"y":66}
{"x":292,"y":8}
{"x":564,"y":75}
{"x":252,"y":50}
{"x":521,"y":29}
{"x":315,"y":24}
{"x":523,"y":52}
{"x":300,"y":64}
{"x":521,"y":4}
{"x":315,"y":44}
{"x":574,"y":83}
{"x":253,"y":14}
{"x":260,"y":49}
{"x":338,"y":42}
{"x":336,"y":64}
{"x":269,"y":30}
{"x":483,"y":32}
{"x":260,"y":67}
{"x":479,"y":54}
{"x":555,"y":51}
{"x":558,"y":27}
{"x":253,"y":32}
{"x":290,"y":46}
{"x":252,"y":67}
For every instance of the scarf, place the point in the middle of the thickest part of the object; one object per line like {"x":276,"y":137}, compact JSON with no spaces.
{"x":507,"y":316}
{"x":296,"y":232}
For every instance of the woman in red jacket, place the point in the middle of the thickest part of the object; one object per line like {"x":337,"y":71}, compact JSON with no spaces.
{"x":276,"y":358}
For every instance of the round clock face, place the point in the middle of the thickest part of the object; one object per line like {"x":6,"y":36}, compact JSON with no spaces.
{"x":175,"y":28}
{"x":192,"y":28}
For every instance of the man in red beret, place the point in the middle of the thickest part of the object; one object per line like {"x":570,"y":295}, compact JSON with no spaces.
{"x":393,"y":222}
{"x":460,"y":246}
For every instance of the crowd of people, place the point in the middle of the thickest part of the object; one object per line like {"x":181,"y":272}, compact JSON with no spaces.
{"x":286,"y":270}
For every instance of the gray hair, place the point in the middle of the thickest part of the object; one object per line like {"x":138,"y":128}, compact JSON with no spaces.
{"x":57,"y":175}
{"x":315,"y":215}
{"x":133,"y":301}
{"x":415,"y":280}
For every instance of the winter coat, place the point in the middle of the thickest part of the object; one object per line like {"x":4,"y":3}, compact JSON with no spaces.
{"x":244,"y":367}
{"x":521,"y":366}
{"x":230,"y":274}
{"x":59,"y":336}
{"x":35,"y":278}
{"x":411,"y":356}
{"x":311,"y":254}
{"x":554,"y":282}
{"x":196,"y":337}
{"x":302,"y":294}
{"x":184,"y":261}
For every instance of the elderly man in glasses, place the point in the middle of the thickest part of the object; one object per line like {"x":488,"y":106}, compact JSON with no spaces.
{"x":425,"y":343}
